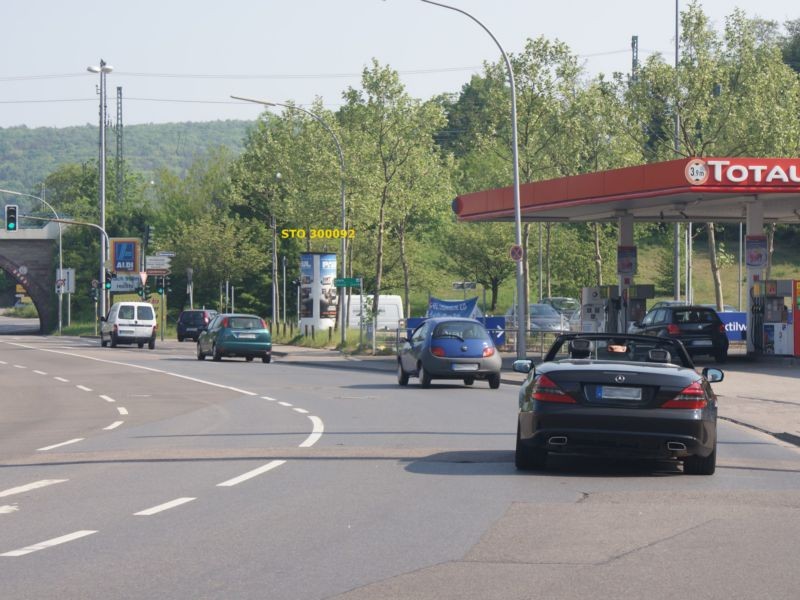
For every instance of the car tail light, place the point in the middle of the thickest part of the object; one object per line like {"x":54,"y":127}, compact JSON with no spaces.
{"x":546,"y":390}
{"x":116,"y":328}
{"x":206,"y":320}
{"x":155,"y":328}
{"x":263,"y":324}
{"x":673,"y":329}
{"x":225,"y":322}
{"x":692,"y":396}
{"x":437,"y":351}
{"x":722,"y":328}
{"x":488,"y":351}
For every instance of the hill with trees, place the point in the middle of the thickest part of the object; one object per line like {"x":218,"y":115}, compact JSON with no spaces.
{"x":30,"y":155}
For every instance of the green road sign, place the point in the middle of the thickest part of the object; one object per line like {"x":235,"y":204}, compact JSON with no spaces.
{"x":345,"y":282}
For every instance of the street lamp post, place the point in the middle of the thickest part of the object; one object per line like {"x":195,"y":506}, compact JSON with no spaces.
{"x":343,"y":239}
{"x":60,"y":249}
{"x":522,"y":314}
{"x":103,"y":69}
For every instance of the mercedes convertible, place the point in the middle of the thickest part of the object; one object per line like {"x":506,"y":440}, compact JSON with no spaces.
{"x":617,"y":395}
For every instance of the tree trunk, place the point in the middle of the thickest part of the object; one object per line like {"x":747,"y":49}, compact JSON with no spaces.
{"x":495,"y":290}
{"x":715,"y":274}
{"x":406,"y":276}
{"x":379,"y":258}
{"x":598,"y":258}
{"x":770,"y":249}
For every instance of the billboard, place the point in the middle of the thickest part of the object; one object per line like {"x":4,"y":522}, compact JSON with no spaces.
{"x":125,"y":255}
{"x":318,"y":292}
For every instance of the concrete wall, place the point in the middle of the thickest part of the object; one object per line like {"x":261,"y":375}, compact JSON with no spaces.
{"x":32,"y":261}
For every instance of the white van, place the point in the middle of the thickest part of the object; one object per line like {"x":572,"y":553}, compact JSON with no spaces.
{"x":390,"y":311}
{"x":129,"y":323}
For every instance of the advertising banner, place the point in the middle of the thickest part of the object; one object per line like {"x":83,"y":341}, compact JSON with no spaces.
{"x":756,"y":251}
{"x":306,"y":279}
{"x":626,"y":260}
{"x":452,"y":308}
{"x":328,"y":297}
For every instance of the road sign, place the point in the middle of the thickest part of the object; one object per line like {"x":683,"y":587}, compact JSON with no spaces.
{"x":464,"y":285}
{"x":95,"y":283}
{"x":158,"y":272}
{"x":125,"y":283}
{"x":169,"y":253}
{"x":67,"y":279}
{"x":515,"y":252}
{"x":157,"y":262}
{"x":346,"y":282}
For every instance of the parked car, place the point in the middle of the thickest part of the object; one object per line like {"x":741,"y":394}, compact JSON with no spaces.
{"x":617,"y":395}
{"x":725,"y":307}
{"x":698,"y":327}
{"x":563,"y":305}
{"x":542,"y":317}
{"x":449,"y":348}
{"x":232,"y":334}
{"x":129,"y":323}
{"x":191,"y":323}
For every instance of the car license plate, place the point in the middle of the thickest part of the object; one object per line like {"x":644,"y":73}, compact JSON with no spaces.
{"x":247,"y":336}
{"x":126,"y":332}
{"x":701,"y":343}
{"x":191,"y":329}
{"x":465,"y":367}
{"x":610,"y":392}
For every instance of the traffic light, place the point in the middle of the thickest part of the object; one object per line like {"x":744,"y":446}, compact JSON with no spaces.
{"x":160,"y":286}
{"x":109,"y":276}
{"x":167,"y":287}
{"x":93,"y":294}
{"x":11,"y":217}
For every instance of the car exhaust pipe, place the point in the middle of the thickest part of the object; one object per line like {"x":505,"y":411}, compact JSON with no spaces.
{"x":676,"y":446}
{"x":558,"y":440}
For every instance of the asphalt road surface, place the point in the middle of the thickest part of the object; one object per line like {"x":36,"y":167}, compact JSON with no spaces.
{"x":128,"y":473}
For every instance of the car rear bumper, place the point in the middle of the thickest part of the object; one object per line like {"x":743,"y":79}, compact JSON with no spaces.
{"x":233,"y":348}
{"x":459,"y":368}
{"x":652,"y":433}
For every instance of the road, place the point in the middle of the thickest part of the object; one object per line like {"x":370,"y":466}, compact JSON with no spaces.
{"x":128,"y":473}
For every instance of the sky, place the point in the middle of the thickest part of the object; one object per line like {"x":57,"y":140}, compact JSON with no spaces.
{"x":181,"y":60}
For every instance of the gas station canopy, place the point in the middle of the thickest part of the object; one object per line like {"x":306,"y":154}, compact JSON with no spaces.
{"x":689,"y":189}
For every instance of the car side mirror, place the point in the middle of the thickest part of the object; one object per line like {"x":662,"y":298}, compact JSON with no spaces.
{"x":713,"y":375}
{"x":522,"y":366}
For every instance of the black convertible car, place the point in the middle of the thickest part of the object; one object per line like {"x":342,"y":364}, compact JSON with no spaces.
{"x":617,"y":395}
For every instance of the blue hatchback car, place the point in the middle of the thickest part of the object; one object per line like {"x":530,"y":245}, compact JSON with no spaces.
{"x":236,"y":335}
{"x":449,"y":348}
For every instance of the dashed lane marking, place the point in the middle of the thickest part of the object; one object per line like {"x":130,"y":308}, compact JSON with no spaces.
{"x":162,"y":507}
{"x":50,"y":543}
{"x":21,"y":489}
{"x":122,"y":410}
{"x":84,"y":388}
{"x":250,"y":474}
{"x":59,"y":445}
{"x":114,"y":425}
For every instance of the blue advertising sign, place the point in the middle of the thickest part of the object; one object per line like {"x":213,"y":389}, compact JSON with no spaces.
{"x":125,"y":255}
{"x":735,"y":325}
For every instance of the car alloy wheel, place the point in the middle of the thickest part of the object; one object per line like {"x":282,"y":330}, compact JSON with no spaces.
{"x":103,"y":342}
{"x":469,"y":380}
{"x":402,"y":376}
{"x":200,"y":355}
{"x":113,"y":340}
{"x":215,"y":353}
{"x":152,"y":343}
{"x":267,"y":358}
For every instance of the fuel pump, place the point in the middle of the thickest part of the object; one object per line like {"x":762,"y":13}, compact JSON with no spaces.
{"x":773,"y":308}
{"x":600,"y":309}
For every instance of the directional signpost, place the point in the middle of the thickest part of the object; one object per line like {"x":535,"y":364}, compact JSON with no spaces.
{"x":340,"y":282}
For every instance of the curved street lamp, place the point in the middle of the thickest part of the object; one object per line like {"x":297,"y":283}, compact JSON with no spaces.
{"x":60,"y":252}
{"x":343,"y":240}
{"x":103,"y":70}
{"x":522,"y":311}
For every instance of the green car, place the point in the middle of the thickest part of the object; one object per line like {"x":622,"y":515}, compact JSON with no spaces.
{"x":236,"y":335}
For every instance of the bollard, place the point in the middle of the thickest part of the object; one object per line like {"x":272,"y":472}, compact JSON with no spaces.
{"x":313,"y":333}
{"x":330,"y":334}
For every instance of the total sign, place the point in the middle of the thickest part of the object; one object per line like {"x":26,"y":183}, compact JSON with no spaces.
{"x":743,"y":171}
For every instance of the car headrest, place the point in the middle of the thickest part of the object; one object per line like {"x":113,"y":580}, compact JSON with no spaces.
{"x":659,"y":355}
{"x":580,"y":348}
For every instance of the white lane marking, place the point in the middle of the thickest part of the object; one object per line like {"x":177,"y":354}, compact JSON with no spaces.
{"x":39,"y":372}
{"x":59,"y":445}
{"x":316,"y":432}
{"x":84,"y":388}
{"x":30,"y":486}
{"x":107,"y":399}
{"x":2,"y":362}
{"x":61,"y":379}
{"x":114,"y":425}
{"x":268,"y":398}
{"x":7,"y":509}
{"x":163,"y":507}
{"x":20,"y":367}
{"x":284,"y":403}
{"x":302,"y":411}
{"x":250,"y":474}
{"x":122,"y":410}
{"x":50,"y":543}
